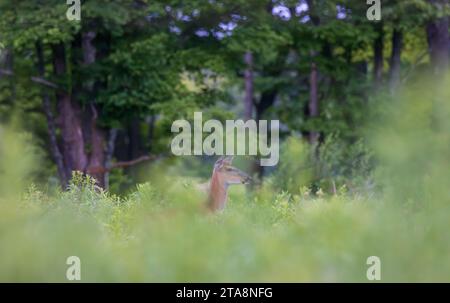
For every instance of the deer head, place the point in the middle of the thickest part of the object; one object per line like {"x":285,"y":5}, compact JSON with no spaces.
{"x":229,"y":174}
{"x":224,"y":175}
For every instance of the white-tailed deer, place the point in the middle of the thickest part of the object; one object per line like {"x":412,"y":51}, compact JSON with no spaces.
{"x":223,"y":175}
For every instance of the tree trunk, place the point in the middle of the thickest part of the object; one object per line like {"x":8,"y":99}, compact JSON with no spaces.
{"x":438,"y":40}
{"x":151,"y":131}
{"x":394,"y":64}
{"x":378,"y":59}
{"x":134,"y":137}
{"x":51,"y":124}
{"x":97,"y":154}
{"x":109,"y":153}
{"x":8,"y":62}
{"x":267,"y":99}
{"x":248,"y":100}
{"x":69,"y":118}
{"x":313,"y":13}
{"x":94,"y":135}
{"x":313,"y":105}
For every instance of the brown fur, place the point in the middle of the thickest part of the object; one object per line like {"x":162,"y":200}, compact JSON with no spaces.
{"x":223,"y":176}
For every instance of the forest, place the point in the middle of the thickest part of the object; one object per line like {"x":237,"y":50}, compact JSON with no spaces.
{"x":90,"y":92}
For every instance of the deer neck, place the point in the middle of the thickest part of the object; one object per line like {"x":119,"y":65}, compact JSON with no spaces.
{"x":217,"y":197}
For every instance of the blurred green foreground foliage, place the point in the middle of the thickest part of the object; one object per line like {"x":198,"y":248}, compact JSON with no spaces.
{"x":282,"y":231}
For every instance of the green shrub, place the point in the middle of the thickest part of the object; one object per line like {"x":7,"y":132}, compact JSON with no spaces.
{"x":285,"y":231}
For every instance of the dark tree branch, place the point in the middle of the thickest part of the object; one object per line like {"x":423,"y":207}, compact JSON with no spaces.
{"x":122,"y":164}
{"x":133,"y":162}
{"x":6,"y":72}
{"x":38,"y":80}
{"x":44,"y":82}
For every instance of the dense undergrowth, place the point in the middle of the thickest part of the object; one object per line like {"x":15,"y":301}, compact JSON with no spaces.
{"x":285,"y":230}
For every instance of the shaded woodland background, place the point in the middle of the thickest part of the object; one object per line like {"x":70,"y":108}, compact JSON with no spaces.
{"x":99,"y":95}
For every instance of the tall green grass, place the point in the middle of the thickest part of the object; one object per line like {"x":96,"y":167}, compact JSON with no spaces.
{"x":280,"y":232}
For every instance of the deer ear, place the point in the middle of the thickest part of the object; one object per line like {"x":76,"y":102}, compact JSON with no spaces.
{"x":228,"y":159}
{"x":219,"y":161}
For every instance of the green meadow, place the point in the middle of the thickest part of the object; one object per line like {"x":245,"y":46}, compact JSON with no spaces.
{"x":288,"y":228}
